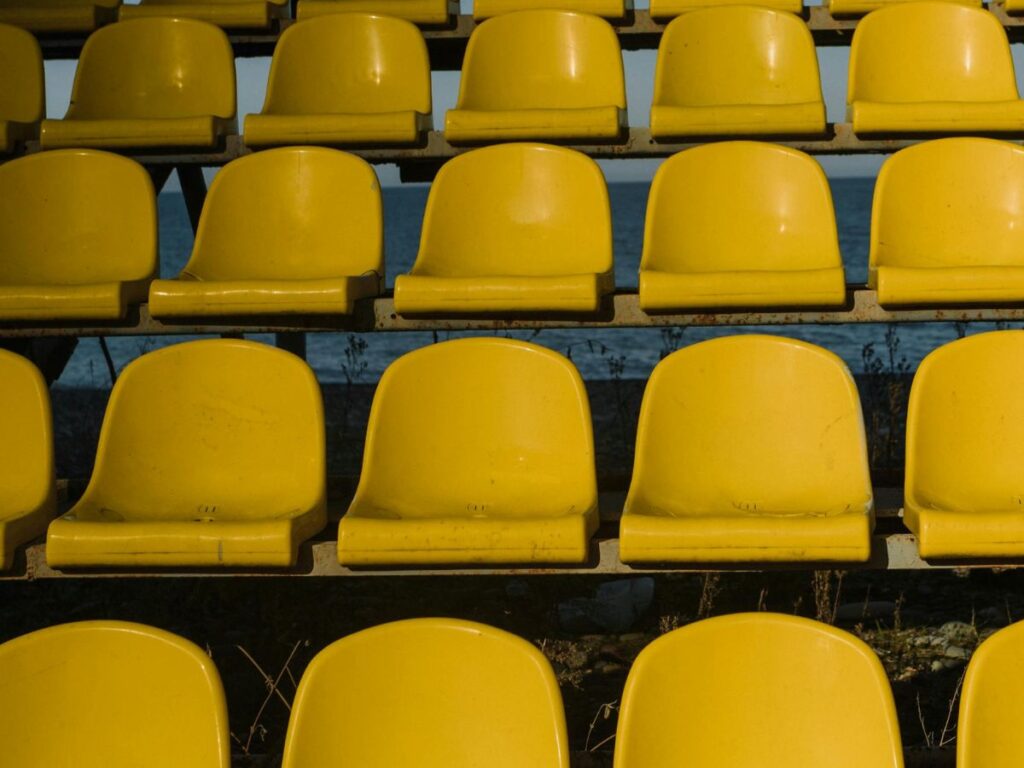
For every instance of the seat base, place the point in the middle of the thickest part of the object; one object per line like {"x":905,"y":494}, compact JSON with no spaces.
{"x":668,"y":9}
{"x":870,"y":117}
{"x":948,"y":285}
{"x":958,"y":533}
{"x":221,"y":298}
{"x":241,"y":15}
{"x":426,"y":12}
{"x":336,"y":130}
{"x":585,"y":124}
{"x":607,"y":9}
{"x":101,"y":301}
{"x":71,"y":18}
{"x":422,"y":294}
{"x":847,"y":8}
{"x":17,"y":528}
{"x":665,"y":291}
{"x":806,"y":119}
{"x":204,"y":131}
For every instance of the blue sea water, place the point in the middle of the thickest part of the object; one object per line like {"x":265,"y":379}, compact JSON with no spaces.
{"x":600,"y":354}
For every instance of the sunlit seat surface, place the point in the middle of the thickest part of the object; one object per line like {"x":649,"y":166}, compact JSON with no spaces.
{"x":22,"y":93}
{"x":230,"y":14}
{"x":295,"y":230}
{"x":965,"y":449}
{"x":155,"y":82}
{"x":28,"y":497}
{"x":110,"y":694}
{"x":849,"y":8}
{"x":608,"y":9}
{"x":477,"y":451}
{"x":947,"y":224}
{"x":512,"y":228}
{"x":540,"y":74}
{"x":740,"y":224}
{"x":78,"y":234}
{"x":434,"y":693}
{"x":932,"y":67}
{"x":757,"y":689}
{"x":425,"y":12}
{"x":345,"y":79}
{"x":58,"y":15}
{"x":211,"y":453}
{"x":988,"y":733}
{"x":667,"y":9}
{"x":749,"y":448}
{"x":737,"y":70}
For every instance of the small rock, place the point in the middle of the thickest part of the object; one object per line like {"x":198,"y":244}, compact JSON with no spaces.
{"x":956,"y":652}
{"x":952,"y":663}
{"x":958,"y":633}
{"x":938,"y":666}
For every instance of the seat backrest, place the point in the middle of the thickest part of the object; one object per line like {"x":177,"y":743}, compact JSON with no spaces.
{"x":154,"y":68}
{"x":109,"y":694}
{"x":736,"y":55}
{"x":349,"y":63}
{"x":542,"y":59}
{"x":758,"y":689}
{"x":480,"y":427}
{"x":434,"y":693}
{"x":208,"y":2}
{"x":748,"y":424}
{"x":76,"y":216}
{"x":290,"y":213}
{"x":740,"y":205}
{"x":988,"y":734}
{"x":950,"y":202}
{"x":42,"y":4}
{"x":517,"y":210}
{"x":217,"y":426}
{"x":965,"y":450}
{"x":930,"y":51}
{"x":26,"y":435}
{"x":22,"y":93}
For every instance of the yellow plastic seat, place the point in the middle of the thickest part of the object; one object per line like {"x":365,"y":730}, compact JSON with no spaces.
{"x":434,"y":693}
{"x":932,"y":67}
{"x":22,"y":92}
{"x":544,"y":75}
{"x":607,"y":9}
{"x":78,"y":234}
{"x":295,"y":230}
{"x":947,"y":225}
{"x":512,"y":228}
{"x":965,"y":450}
{"x":28,"y":492}
{"x":740,"y":224}
{"x":211,"y":453}
{"x":150,"y":83}
{"x":667,"y":9}
{"x":853,"y":8}
{"x":58,"y":15}
{"x":229,"y":14}
{"x":737,"y":70}
{"x":345,"y":79}
{"x":749,"y":448}
{"x":110,"y":694}
{"x":424,"y":12}
{"x":988,"y":731}
{"x":757,"y":689}
{"x":477,"y":451}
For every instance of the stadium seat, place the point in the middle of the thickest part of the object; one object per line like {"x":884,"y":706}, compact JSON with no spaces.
{"x":22,"y":92}
{"x":948,"y":224}
{"x":434,"y":693}
{"x":853,"y":8}
{"x":78,"y":233}
{"x":28,"y":493}
{"x":110,"y":694}
{"x":749,"y":448}
{"x":608,"y":9}
{"x":668,"y":9}
{"x":430,"y":13}
{"x":932,"y":67}
{"x":757,"y":689}
{"x":545,"y":75}
{"x":211,"y":453}
{"x":740,"y":224}
{"x":345,"y":79}
{"x":150,"y":83}
{"x":988,"y":734}
{"x":477,"y":451}
{"x":229,"y":14}
{"x":965,"y":449}
{"x":58,"y":15}
{"x":512,"y":228}
{"x":295,"y":230}
{"x":737,"y":70}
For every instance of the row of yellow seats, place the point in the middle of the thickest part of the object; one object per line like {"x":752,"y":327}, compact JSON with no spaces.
{"x":749,"y":448}
{"x":523,"y":228}
{"x":739,"y":690}
{"x":355,"y":79}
